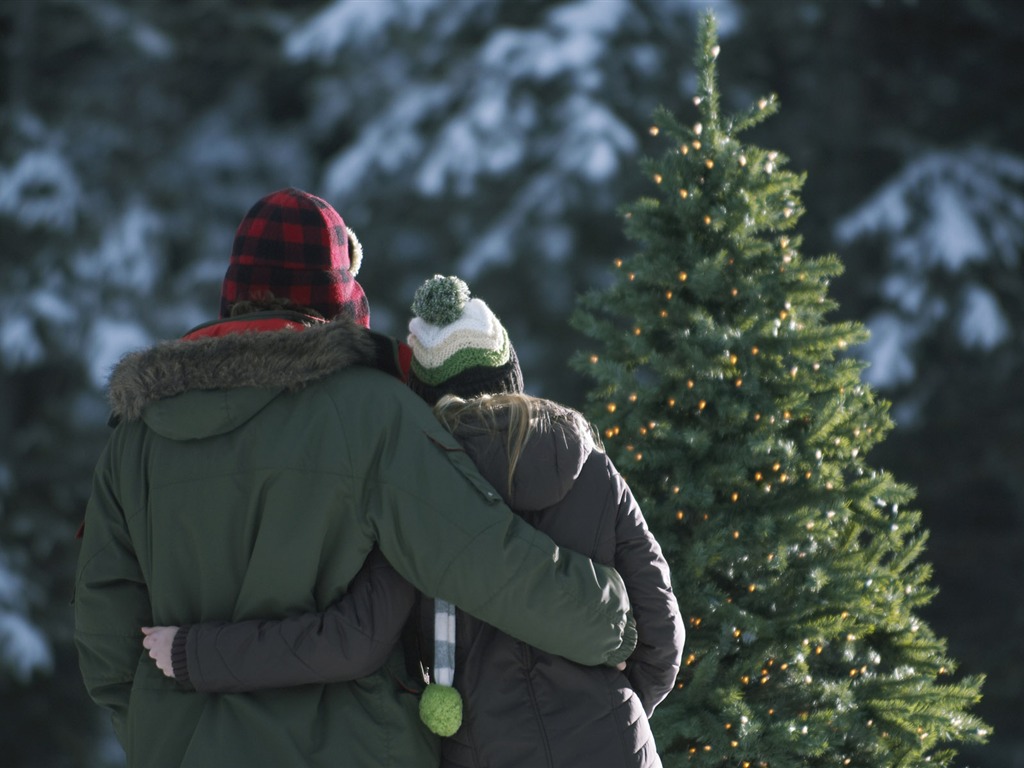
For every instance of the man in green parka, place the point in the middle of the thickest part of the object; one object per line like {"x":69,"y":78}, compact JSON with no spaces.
{"x":255,"y":464}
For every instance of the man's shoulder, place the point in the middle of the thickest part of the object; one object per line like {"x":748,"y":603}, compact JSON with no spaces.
{"x":370,"y":379}
{"x":372,"y":391}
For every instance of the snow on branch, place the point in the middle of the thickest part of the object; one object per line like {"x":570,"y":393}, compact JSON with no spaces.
{"x":946,"y":214}
{"x":24,"y":648}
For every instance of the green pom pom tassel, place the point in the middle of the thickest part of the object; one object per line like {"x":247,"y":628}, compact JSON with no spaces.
{"x":441,"y":709}
{"x":440,"y":300}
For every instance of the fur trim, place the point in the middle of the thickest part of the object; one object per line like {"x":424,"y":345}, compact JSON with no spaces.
{"x":266,"y":359}
{"x":355,"y":252}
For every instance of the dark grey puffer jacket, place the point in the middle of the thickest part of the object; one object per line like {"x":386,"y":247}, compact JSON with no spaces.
{"x":524,"y":707}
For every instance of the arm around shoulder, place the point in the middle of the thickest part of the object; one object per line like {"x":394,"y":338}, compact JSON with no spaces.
{"x":447,"y":531}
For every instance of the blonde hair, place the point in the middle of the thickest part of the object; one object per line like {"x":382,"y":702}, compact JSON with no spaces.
{"x":525,"y":413}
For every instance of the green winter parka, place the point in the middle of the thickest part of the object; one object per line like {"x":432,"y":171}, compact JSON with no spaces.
{"x":250,"y":475}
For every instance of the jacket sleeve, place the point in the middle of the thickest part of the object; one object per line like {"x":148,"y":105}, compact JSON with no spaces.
{"x":449,"y":533}
{"x":350,"y":639}
{"x":653,"y":667}
{"x":111,"y":602}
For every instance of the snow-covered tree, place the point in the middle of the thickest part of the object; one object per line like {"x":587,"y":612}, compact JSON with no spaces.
{"x":488,"y":139}
{"x":951,"y":226}
{"x":124,"y":168}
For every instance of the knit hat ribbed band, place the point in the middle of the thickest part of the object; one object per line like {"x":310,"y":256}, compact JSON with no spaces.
{"x":458,"y":345}
{"x":296,"y":246}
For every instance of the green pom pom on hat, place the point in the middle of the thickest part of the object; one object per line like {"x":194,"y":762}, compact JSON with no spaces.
{"x":440,"y":300}
{"x":441,"y":709}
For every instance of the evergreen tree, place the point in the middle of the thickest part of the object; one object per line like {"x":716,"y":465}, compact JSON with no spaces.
{"x":730,"y":403}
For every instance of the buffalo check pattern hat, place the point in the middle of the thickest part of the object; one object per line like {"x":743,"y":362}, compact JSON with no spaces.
{"x":294,"y":245}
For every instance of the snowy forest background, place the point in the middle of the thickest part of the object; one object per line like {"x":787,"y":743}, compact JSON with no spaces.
{"x":495,"y":139}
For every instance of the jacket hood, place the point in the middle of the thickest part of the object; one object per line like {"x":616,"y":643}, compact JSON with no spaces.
{"x":220,"y":375}
{"x":548,"y":466}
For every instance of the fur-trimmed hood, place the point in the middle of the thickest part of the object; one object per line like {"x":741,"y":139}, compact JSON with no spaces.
{"x":237,"y":357}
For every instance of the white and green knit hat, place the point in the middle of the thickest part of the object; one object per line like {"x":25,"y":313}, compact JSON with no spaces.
{"x":458,"y":345}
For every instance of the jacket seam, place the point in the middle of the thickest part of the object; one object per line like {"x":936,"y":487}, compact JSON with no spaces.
{"x":545,"y":742}
{"x":110,"y":541}
{"x":628,"y":755}
{"x":346,"y":443}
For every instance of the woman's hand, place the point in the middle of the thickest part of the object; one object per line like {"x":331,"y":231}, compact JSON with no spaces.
{"x":158,"y":641}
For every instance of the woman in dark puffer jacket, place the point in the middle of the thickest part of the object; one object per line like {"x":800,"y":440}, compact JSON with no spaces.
{"x":522,"y":707}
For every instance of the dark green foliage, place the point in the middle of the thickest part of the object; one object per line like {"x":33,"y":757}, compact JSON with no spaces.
{"x":728,"y":400}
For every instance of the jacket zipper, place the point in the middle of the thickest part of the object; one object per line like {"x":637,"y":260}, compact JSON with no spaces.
{"x":528,"y":662}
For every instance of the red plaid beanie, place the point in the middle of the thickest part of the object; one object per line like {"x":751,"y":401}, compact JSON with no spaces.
{"x":296,"y":246}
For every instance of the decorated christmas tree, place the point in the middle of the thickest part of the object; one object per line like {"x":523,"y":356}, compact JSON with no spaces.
{"x":734,"y":408}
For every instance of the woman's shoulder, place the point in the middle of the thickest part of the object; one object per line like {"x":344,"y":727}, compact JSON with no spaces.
{"x":569,"y":426}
